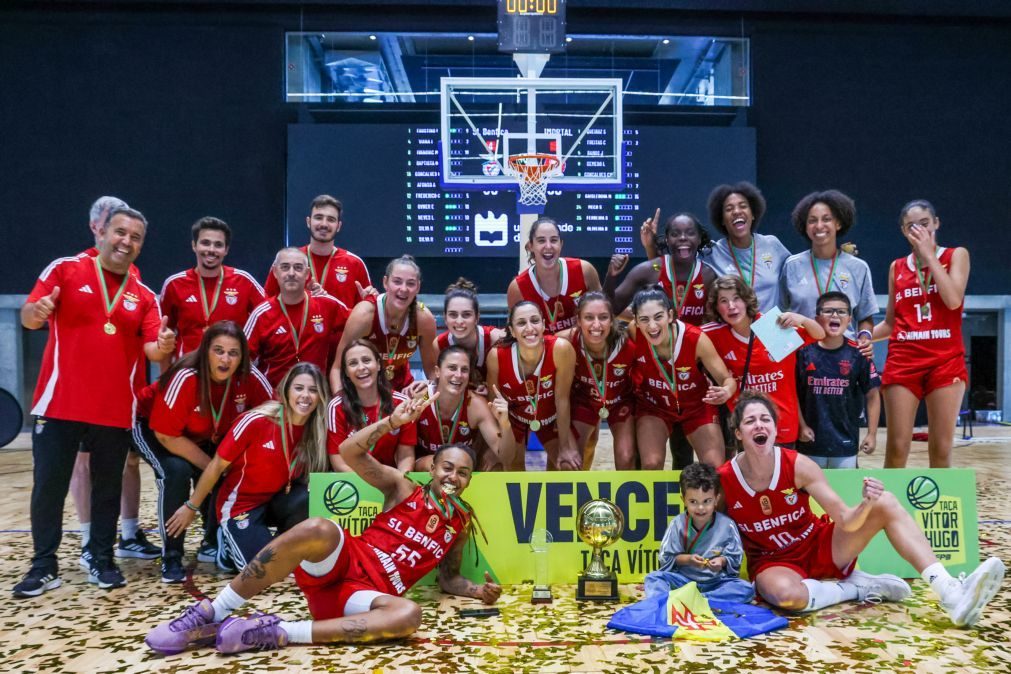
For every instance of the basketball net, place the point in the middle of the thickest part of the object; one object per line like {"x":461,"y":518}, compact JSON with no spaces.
{"x":532,"y":172}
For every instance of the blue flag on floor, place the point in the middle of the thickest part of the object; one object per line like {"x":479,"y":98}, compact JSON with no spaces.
{"x":686,"y":614}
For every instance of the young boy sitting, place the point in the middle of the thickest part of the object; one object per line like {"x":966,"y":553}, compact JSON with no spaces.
{"x":835,"y":382}
{"x":701,"y":544}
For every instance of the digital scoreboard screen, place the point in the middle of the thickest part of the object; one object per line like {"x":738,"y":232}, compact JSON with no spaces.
{"x":531,"y":26}
{"x":388,"y":177}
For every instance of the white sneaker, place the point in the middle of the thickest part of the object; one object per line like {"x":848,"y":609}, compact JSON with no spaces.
{"x":965,"y":597}
{"x":878,"y":588}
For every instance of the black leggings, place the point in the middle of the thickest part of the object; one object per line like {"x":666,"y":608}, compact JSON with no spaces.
{"x":247,"y":533}
{"x":175,"y":478}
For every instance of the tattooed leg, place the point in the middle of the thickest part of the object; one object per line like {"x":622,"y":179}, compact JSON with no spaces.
{"x":312,"y":540}
{"x":389,"y":618}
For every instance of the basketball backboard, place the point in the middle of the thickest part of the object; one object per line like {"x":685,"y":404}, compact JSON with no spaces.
{"x":485,"y":121}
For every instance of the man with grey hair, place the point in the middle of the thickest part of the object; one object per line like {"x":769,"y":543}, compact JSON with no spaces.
{"x":295,"y":326}
{"x":133,"y":542}
{"x":102,"y":321}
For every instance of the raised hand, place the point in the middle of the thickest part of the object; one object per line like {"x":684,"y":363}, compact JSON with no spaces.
{"x":500,"y":406}
{"x":166,"y":337}
{"x":647,"y":233}
{"x":618,"y":263}
{"x":45,"y":306}
{"x":365,"y":293}
{"x":410,"y":409}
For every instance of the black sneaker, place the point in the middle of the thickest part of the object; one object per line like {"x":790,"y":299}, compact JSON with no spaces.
{"x":106,"y":576}
{"x":137,"y":547}
{"x":84,"y":561}
{"x":36,"y":582}
{"x":207,"y":552}
{"x":172,"y":570}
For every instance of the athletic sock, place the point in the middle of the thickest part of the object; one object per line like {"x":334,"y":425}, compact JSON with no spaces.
{"x":822,"y":593}
{"x":938,"y":578}
{"x":226,"y":602}
{"x":129,"y":528}
{"x":299,"y":632}
{"x":85,"y":534}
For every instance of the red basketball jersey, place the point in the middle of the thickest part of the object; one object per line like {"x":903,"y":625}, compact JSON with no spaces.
{"x":773,"y":521}
{"x":436,"y":431}
{"x":479,"y":355}
{"x":395,"y":349}
{"x":778,"y":380}
{"x":336,"y":272}
{"x":385,"y":450}
{"x":409,"y":540}
{"x":652,"y":389}
{"x":562,"y":306}
{"x":691,"y":303}
{"x":519,"y":391}
{"x":183,"y":303}
{"x":925,"y":330}
{"x":617,"y":370}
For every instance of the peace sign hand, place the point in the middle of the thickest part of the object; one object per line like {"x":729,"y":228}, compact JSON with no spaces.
{"x":410,"y":409}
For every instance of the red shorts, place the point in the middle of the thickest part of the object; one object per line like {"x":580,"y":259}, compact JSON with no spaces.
{"x":920,"y":378}
{"x":810,"y":559}
{"x":586,"y":411}
{"x":691,"y":418}
{"x":328,"y":595}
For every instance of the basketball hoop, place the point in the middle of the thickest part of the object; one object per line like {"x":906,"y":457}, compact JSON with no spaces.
{"x":532,"y":172}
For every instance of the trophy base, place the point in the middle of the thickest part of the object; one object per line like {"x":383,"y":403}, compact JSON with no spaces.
{"x":541,"y":595}
{"x":597,"y":589}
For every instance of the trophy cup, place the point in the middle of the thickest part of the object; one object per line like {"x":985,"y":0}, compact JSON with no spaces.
{"x":539,"y":544}
{"x":598,"y":524}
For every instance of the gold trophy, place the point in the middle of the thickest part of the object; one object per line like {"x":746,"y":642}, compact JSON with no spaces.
{"x":598,"y":524}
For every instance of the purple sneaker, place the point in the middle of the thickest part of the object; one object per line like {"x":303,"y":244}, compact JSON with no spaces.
{"x":195,"y":627}
{"x":262,"y":632}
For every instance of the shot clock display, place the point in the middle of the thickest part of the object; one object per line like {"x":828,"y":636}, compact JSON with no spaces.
{"x":531,"y":26}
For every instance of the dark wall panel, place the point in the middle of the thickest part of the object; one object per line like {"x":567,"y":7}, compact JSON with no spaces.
{"x":180,"y":116}
{"x":181,"y":113}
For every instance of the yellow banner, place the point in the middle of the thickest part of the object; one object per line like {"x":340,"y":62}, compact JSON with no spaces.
{"x":510,"y":506}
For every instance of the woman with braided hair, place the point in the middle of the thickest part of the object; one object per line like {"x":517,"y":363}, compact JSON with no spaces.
{"x":353,"y":585}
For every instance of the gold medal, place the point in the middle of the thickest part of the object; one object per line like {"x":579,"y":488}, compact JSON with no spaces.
{"x":389,"y":372}
{"x":603,"y":413}
{"x":535,"y":425}
{"x":109,"y":328}
{"x":924,"y":311}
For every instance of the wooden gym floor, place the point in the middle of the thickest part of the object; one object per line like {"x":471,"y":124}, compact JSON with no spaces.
{"x":79,"y":628}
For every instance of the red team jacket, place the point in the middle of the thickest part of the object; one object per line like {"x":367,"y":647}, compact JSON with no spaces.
{"x":270,"y":334}
{"x":339,"y":271}
{"x":385,"y":450}
{"x":87,"y":374}
{"x":181,"y":302}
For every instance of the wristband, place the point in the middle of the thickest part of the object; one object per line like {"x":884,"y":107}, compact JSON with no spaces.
{"x":192,"y":507}
{"x":864,"y":332}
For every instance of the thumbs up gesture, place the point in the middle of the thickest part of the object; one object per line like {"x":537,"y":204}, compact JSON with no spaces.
{"x":45,"y":306}
{"x":166,"y":337}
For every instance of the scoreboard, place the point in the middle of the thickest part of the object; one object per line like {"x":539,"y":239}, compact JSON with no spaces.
{"x":388,"y":176}
{"x":531,"y":26}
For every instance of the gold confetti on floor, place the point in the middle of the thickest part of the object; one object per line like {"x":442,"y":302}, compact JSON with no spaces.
{"x":79,"y":628}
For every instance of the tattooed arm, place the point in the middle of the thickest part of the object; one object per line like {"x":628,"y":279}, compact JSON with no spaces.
{"x":452,"y":582}
{"x":355,"y":450}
